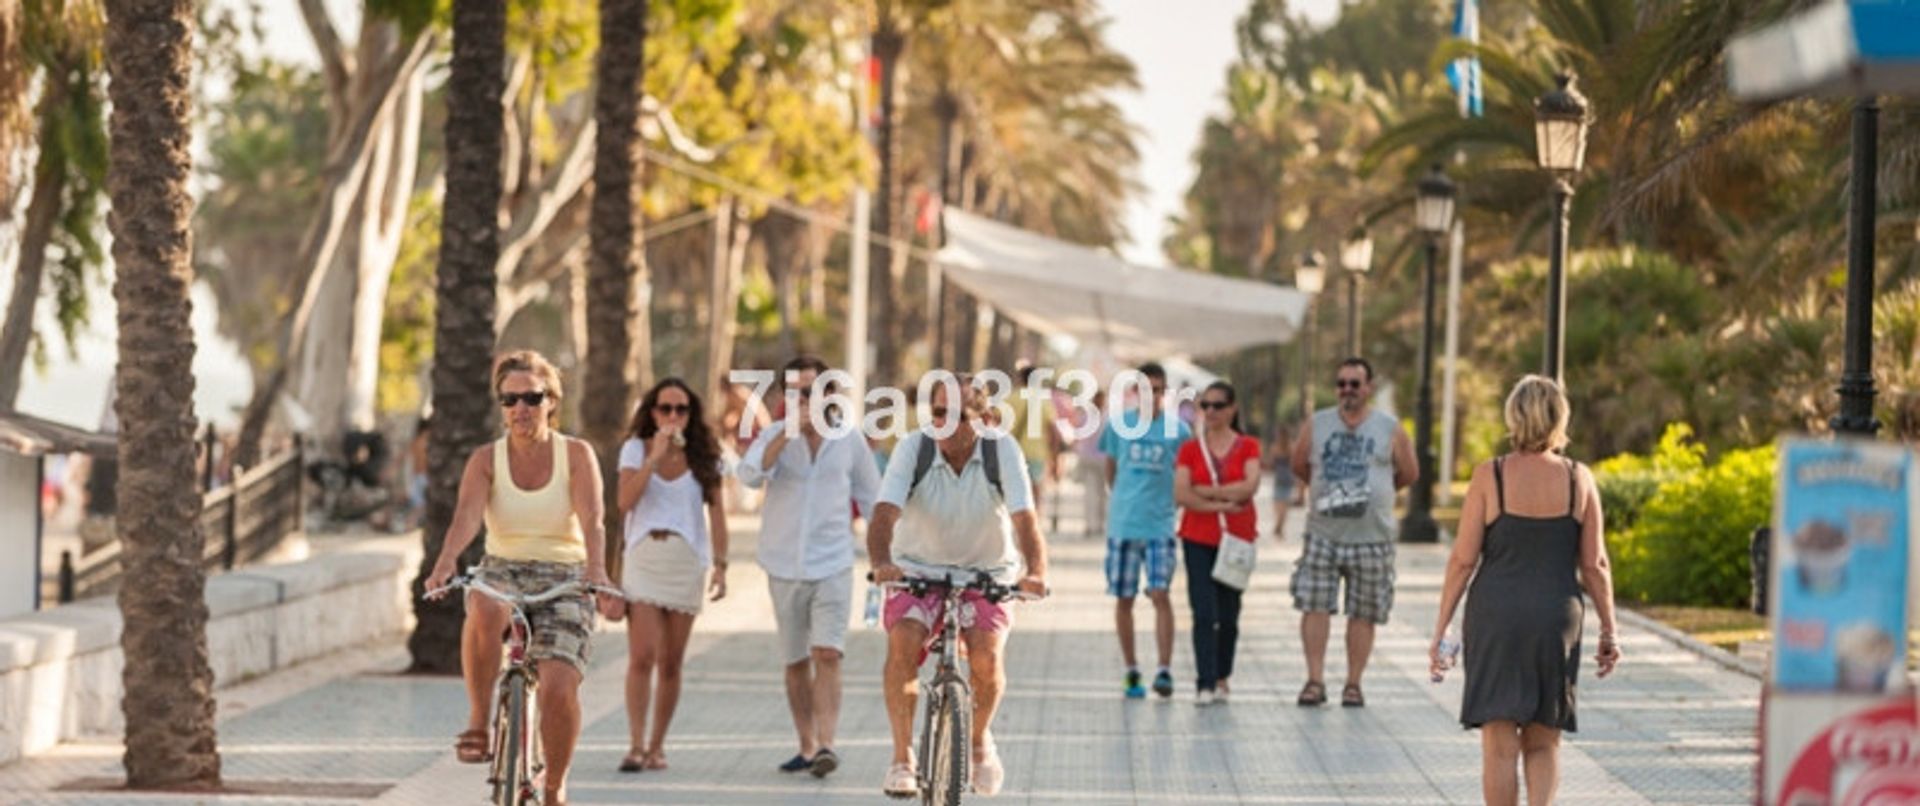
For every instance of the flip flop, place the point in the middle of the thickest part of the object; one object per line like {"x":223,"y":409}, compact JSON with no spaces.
{"x":632,"y":762}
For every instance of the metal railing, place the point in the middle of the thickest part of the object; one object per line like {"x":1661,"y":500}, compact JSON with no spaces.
{"x":242,"y":523}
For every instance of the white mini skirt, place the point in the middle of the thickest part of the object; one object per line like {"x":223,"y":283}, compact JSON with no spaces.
{"x":665,"y":573}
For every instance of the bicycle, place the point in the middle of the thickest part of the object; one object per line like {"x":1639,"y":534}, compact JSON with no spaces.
{"x":517,"y":756}
{"x":943,"y":759}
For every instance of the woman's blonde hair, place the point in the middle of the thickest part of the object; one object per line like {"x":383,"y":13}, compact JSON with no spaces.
{"x":540,"y":368}
{"x":1537,"y":414}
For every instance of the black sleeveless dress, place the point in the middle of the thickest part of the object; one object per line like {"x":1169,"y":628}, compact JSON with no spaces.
{"x":1524,"y":613}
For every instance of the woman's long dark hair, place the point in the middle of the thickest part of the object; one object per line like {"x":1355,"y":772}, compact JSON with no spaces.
{"x":703,"y":452}
{"x":1227,"y":389}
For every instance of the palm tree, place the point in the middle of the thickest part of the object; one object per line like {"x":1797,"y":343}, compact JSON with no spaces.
{"x":889,"y":43}
{"x":618,"y":351}
{"x":168,"y":703}
{"x":464,"y":416}
{"x":61,"y":45}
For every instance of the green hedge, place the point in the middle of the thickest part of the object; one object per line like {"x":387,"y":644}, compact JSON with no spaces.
{"x":1678,"y":527}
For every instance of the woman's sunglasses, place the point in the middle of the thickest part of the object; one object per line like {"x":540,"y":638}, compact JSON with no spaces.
{"x":1215,"y":405}
{"x":673,"y":409}
{"x":510,"y":399}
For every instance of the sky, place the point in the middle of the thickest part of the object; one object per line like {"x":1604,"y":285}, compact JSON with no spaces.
{"x":1181,"y":48}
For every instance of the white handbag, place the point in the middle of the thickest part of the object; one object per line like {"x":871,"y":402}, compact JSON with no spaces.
{"x":1233,"y":566}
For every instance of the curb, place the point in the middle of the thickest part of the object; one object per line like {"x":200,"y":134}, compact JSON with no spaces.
{"x":1732,"y":662}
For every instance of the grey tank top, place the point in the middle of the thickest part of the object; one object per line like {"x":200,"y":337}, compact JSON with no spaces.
{"x":1352,"y":485}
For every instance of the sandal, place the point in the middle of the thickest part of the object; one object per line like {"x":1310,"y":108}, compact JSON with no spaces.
{"x":471,"y":747}
{"x":1314,"y":693}
{"x":655,"y":760}
{"x":1350,"y":697}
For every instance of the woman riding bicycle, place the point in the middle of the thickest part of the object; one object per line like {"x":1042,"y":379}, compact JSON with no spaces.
{"x":538,"y":493}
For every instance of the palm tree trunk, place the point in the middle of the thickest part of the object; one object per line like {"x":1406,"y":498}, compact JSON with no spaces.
{"x":168,"y":704}
{"x":464,"y":415}
{"x":618,"y":325}
{"x":43,"y":212}
{"x":889,"y":42}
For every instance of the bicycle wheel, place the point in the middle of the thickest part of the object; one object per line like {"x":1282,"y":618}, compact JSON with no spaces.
{"x":945,"y":754}
{"x":512,"y":780}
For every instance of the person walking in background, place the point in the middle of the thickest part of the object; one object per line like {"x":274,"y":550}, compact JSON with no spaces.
{"x":806,"y":548}
{"x":538,"y":493}
{"x":1532,"y":536}
{"x":1284,"y":486}
{"x":1032,"y":431}
{"x":1090,"y":465}
{"x":676,"y":530}
{"x":1217,"y":481}
{"x":1353,"y":459}
{"x":1140,"y":524}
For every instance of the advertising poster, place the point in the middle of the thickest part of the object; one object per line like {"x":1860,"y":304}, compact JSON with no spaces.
{"x":1840,"y":721}
{"x":1841,"y":540}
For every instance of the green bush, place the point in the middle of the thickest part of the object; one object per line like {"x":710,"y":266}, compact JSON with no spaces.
{"x":1628,"y":481}
{"x":1686,"y":542}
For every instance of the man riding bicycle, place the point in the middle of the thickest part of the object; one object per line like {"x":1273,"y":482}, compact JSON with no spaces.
{"x":961,"y":505}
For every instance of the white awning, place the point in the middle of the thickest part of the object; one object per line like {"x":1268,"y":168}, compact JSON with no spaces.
{"x":1135,"y":312}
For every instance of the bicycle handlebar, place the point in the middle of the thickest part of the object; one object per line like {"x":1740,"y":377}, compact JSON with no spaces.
{"x":474,"y":584}
{"x":982,"y":583}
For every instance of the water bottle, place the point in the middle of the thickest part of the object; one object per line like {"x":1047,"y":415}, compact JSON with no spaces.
{"x":873,"y":605}
{"x":1449,"y":655}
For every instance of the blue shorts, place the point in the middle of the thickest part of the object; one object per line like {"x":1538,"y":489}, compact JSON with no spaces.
{"x":1127,"y":558}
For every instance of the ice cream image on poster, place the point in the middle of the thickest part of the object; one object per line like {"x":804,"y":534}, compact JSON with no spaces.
{"x":1821,"y":550}
{"x":1863,"y":654}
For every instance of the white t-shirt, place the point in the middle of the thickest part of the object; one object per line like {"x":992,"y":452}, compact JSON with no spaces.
{"x":674,"y":505}
{"x":956,"y":521}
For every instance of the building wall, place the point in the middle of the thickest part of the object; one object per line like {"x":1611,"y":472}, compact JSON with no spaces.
{"x":19,"y":533}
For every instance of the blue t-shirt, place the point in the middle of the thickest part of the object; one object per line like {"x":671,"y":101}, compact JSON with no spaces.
{"x":1142,"y":506}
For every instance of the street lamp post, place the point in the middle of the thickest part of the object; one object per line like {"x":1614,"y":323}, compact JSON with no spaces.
{"x":1356,"y":256}
{"x":1433,"y":216}
{"x":1856,"y":379}
{"x":1560,"y":132}
{"x":1310,"y":277}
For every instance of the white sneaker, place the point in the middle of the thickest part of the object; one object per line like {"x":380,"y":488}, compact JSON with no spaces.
{"x":1220,"y":695}
{"x":1206,"y":698}
{"x":901,"y":783}
{"x":988,"y":774}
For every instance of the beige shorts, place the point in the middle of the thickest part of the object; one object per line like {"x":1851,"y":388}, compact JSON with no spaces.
{"x":811,"y":614}
{"x":664,"y":573}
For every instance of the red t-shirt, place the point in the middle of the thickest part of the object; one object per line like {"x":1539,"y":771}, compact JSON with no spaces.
{"x":1204,"y":527}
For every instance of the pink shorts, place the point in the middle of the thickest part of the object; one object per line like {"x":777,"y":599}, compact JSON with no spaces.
{"x":976,"y":612}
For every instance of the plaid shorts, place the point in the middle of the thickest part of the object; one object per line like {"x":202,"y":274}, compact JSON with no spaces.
{"x":1127,"y":558}
{"x":562,"y":628}
{"x":1366,"y":568}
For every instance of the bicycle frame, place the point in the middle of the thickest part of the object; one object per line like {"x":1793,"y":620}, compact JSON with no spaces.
{"x":517,"y":758}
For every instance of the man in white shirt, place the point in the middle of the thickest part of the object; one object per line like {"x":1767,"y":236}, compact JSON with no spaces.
{"x":954,"y":519}
{"x":806,"y":547}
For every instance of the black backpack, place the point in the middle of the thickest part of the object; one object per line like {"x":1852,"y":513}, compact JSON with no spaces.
{"x":989,"y":458}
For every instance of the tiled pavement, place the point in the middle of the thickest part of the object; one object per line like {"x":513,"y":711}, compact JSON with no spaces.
{"x":1667,"y":728}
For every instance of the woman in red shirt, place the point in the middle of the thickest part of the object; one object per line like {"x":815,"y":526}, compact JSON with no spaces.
{"x":1215,"y":479}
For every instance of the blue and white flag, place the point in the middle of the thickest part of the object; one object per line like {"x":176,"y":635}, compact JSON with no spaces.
{"x":1464,"y":74}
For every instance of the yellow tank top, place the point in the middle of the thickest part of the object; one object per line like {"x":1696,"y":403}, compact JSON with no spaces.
{"x":536,"y":525}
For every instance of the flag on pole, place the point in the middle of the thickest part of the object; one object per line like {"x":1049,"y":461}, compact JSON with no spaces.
{"x":1464,"y":74}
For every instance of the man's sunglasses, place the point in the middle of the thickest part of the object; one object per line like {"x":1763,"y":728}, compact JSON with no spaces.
{"x":510,"y":399}
{"x":1215,"y":405}
{"x":938,"y":412}
{"x":673,"y":409}
{"x":1345,"y":383}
